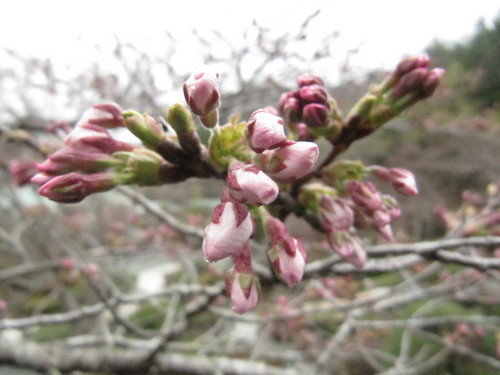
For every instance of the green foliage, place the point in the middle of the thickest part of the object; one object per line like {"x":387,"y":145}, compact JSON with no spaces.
{"x":472,"y":65}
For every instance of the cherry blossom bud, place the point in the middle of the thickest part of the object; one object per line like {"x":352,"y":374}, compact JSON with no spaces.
{"x":67,"y":263}
{"x":306,"y":79}
{"x":431,"y":82}
{"x":314,"y":94}
{"x":270,"y":109}
{"x":411,"y":63}
{"x":201,"y":91}
{"x":290,"y":106}
{"x":391,"y":206}
{"x":70,"y":159}
{"x":41,"y":178}
{"x":242,"y":285}
{"x":95,"y":137}
{"x":74,"y":187}
{"x":243,"y":289}
{"x":403,"y":181}
{"x":365,"y":195}
{"x":316,"y":115}
{"x":335,"y":214}
{"x":380,"y":172}
{"x":248,"y":184}
{"x":93,"y":271}
{"x":287,"y":254}
{"x":385,"y":232}
{"x":289,"y":260}
{"x":107,"y":115}
{"x":349,"y":247}
{"x":22,"y":171}
{"x":231,"y":227}
{"x":292,"y":161}
{"x":264,"y":131}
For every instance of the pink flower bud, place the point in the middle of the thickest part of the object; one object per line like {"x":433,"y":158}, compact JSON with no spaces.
{"x":201,"y":91}
{"x":314,"y":94}
{"x":316,"y":115}
{"x":349,"y":247}
{"x":411,"y":63}
{"x":74,"y":187}
{"x":287,"y":254}
{"x":264,"y":131}
{"x":365,"y":195}
{"x":41,"y":178}
{"x":385,"y":232}
{"x":306,"y":79}
{"x":289,"y":260}
{"x":391,"y":206}
{"x":335,"y":214}
{"x":90,"y":135}
{"x":67,"y":263}
{"x":248,"y":184}
{"x":403,"y":181}
{"x":3,"y":305}
{"x":380,"y":172}
{"x":93,"y":271}
{"x":107,"y":115}
{"x":70,"y":159}
{"x":231,"y":227}
{"x":22,"y":171}
{"x":292,"y":161}
{"x":243,"y":289}
{"x":290,"y":106}
{"x":431,"y":82}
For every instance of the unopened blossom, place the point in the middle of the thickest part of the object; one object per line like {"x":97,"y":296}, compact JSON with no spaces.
{"x":287,"y":254}
{"x":242,"y":285}
{"x":418,"y":84}
{"x":403,"y":181}
{"x":364,"y":194}
{"x":290,"y":106}
{"x":407,"y":65}
{"x":314,"y":94}
{"x":316,"y":115}
{"x":290,"y":260}
{"x":231,"y":227}
{"x":201,"y":91}
{"x":22,"y":171}
{"x":74,"y":187}
{"x":107,"y":115}
{"x":94,"y":136}
{"x":335,"y":214}
{"x":306,"y":79}
{"x":70,"y":159}
{"x":264,"y":131}
{"x":385,"y":232}
{"x":349,"y":247}
{"x":290,"y":162}
{"x":248,"y":184}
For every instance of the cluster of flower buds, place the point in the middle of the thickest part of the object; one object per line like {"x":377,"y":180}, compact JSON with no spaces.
{"x":478,"y":215}
{"x":275,"y":160}
{"x":373,"y":209}
{"x":310,"y":111}
{"x":411,"y":81}
{"x":92,"y":161}
{"x":256,"y":158}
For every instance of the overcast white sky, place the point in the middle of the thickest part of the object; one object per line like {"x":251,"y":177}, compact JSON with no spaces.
{"x":385,"y":29}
